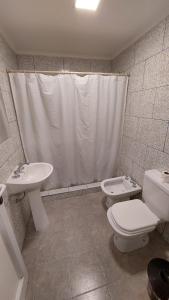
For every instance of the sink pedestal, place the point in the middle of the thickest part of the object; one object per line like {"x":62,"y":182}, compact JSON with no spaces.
{"x":39,"y":214}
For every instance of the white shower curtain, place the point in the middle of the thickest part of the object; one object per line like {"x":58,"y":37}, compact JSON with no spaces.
{"x":75,"y":123}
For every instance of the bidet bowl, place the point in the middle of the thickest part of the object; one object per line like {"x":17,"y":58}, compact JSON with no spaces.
{"x":31,"y":177}
{"x":119,"y":187}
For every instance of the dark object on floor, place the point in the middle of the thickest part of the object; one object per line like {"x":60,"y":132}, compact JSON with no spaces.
{"x":158,"y":274}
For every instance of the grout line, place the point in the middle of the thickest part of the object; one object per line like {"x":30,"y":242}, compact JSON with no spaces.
{"x":166,"y":137}
{"x":150,"y":146}
{"x":95,"y":289}
{"x":165,"y":27}
{"x":77,"y":188}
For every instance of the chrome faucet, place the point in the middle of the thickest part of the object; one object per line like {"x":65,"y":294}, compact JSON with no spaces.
{"x":19,"y":169}
{"x":133,"y":182}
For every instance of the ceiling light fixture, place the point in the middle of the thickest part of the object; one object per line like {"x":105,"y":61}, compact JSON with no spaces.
{"x":87,"y":4}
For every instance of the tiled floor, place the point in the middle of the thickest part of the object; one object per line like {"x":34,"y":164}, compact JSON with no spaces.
{"x":75,"y":258}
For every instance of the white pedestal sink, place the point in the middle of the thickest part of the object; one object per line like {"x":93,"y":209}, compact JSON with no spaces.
{"x":30,"y":180}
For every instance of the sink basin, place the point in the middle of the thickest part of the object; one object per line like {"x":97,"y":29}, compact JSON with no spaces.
{"x":31,"y":178}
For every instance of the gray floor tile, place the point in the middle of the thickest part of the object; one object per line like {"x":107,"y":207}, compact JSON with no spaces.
{"x":75,"y":257}
{"x":102,"y":293}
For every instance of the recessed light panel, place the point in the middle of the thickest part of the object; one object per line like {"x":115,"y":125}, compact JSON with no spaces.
{"x":87,"y":4}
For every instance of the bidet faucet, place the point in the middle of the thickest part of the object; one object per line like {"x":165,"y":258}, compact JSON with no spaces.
{"x":133,"y":182}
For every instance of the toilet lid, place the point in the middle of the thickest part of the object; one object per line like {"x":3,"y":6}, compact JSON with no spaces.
{"x":133,"y":215}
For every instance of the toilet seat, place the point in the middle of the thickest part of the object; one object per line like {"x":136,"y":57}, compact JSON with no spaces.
{"x":131,"y":218}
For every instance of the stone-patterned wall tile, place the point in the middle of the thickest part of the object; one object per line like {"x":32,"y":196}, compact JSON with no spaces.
{"x":141,"y":104}
{"x":166,"y":35}
{"x":161,"y":105}
{"x":9,"y":106}
{"x":11,"y":150}
{"x":130,"y":126}
{"x":166,"y":147}
{"x":152,"y":69}
{"x":124,"y":61}
{"x":102,"y":66}
{"x":138,"y":174}
{"x":4,"y":172}
{"x":156,"y":159}
{"x":47,"y":63}
{"x":77,"y":65}
{"x":6,"y":150}
{"x":125,"y":165}
{"x":163,"y":76}
{"x":14,"y":134}
{"x":147,"y":102}
{"x":4,"y":82}
{"x":126,"y":146}
{"x":136,"y":77}
{"x":138,"y":154}
{"x":15,"y":159}
{"x":25,"y":62}
{"x":157,"y":70}
{"x":150,"y":44}
{"x":152,"y":132}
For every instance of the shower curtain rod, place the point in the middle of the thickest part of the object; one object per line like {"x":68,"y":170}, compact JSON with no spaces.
{"x":67,"y":72}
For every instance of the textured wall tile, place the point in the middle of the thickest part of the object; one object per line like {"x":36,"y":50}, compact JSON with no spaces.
{"x":152,"y":69}
{"x":103,"y":66}
{"x":134,"y":150}
{"x":6,"y":150}
{"x":10,"y":150}
{"x":25,"y":62}
{"x":166,"y":35}
{"x":140,"y":104}
{"x":138,"y":153}
{"x":4,"y":172}
{"x":157,"y":70}
{"x":77,"y":65}
{"x":14,"y":133}
{"x":130,"y":126}
{"x":126,"y":146}
{"x":136,"y":77}
{"x":152,"y":132}
{"x":124,"y":61}
{"x":150,"y":44}
{"x":166,"y":148}
{"x":161,"y":106}
{"x":4,"y":82}
{"x":152,"y":139}
{"x":138,"y":174}
{"x":15,"y":159}
{"x":156,"y":159}
{"x":9,"y":106}
{"x":47,"y":63}
{"x":125,"y":165}
{"x":163,"y":76}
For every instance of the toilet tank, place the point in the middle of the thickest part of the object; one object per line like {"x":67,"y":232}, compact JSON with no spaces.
{"x":156,"y":194}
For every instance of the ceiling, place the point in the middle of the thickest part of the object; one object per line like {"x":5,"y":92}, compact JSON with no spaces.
{"x":54,"y":27}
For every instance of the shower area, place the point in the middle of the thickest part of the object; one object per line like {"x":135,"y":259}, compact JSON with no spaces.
{"x":73,"y":121}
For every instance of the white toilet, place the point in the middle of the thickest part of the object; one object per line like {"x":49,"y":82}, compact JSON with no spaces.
{"x":132,"y":220}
